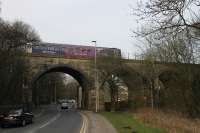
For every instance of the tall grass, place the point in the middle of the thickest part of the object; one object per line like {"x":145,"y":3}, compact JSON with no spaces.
{"x":170,"y":122}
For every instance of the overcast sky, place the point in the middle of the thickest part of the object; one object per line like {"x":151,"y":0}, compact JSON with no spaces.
{"x":109,"y":22}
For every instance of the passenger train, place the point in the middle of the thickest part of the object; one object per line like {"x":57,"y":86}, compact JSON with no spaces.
{"x":74,"y":51}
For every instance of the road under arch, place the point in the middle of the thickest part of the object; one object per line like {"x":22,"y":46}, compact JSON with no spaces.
{"x":77,"y":75}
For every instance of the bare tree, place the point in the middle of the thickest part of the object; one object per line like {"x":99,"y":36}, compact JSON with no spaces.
{"x":16,"y":35}
{"x":14,"y":68}
{"x":168,"y":16}
{"x":172,"y":23}
{"x":172,"y":50}
{"x":170,"y":29}
{"x":150,"y":70}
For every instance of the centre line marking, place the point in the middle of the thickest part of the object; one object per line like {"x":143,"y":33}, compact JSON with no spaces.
{"x":47,"y":123}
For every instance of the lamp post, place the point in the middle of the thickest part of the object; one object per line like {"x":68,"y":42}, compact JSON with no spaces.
{"x":96,"y":77}
{"x":55,"y":93}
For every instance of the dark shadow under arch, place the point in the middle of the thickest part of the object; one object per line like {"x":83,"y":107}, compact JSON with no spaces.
{"x":171,"y":96}
{"x":79,"y":76}
{"x":136,"y":83}
{"x":168,"y":75}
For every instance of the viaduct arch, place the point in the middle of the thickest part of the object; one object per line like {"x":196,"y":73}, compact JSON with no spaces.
{"x":77,"y":75}
{"x":83,"y":71}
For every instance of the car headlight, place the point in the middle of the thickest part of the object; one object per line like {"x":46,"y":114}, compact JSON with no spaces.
{"x":10,"y":118}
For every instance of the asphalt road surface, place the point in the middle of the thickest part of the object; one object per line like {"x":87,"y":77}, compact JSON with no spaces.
{"x":52,"y":120}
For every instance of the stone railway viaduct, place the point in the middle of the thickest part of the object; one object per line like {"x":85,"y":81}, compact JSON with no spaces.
{"x":83,"y":71}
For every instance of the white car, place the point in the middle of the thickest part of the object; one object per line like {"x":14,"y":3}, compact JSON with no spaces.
{"x":64,"y":105}
{"x":72,"y":104}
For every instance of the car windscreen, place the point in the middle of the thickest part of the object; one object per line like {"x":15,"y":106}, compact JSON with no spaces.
{"x":15,"y":112}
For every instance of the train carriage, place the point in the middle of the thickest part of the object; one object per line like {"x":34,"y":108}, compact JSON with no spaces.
{"x":75,"y":51}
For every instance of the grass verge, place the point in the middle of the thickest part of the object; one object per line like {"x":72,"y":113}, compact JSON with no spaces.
{"x":125,"y":123}
{"x":171,"y":122}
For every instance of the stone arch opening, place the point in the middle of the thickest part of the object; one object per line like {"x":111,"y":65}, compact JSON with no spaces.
{"x":115,"y":94}
{"x":76,"y":74}
{"x":138,"y":86}
{"x":171,"y":93}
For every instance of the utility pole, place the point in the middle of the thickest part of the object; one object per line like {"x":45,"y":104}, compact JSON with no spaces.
{"x":96,"y":78}
{"x":55,"y":95}
{"x":128,"y":55}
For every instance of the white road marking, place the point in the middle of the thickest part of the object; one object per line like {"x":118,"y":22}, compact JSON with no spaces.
{"x":46,"y":124}
{"x":49,"y":122}
{"x":38,"y":115}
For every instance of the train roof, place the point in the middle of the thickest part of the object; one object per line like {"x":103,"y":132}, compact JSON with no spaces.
{"x":70,"y":45}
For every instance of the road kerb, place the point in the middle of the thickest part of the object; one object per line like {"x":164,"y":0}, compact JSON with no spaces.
{"x":84,"y":127}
